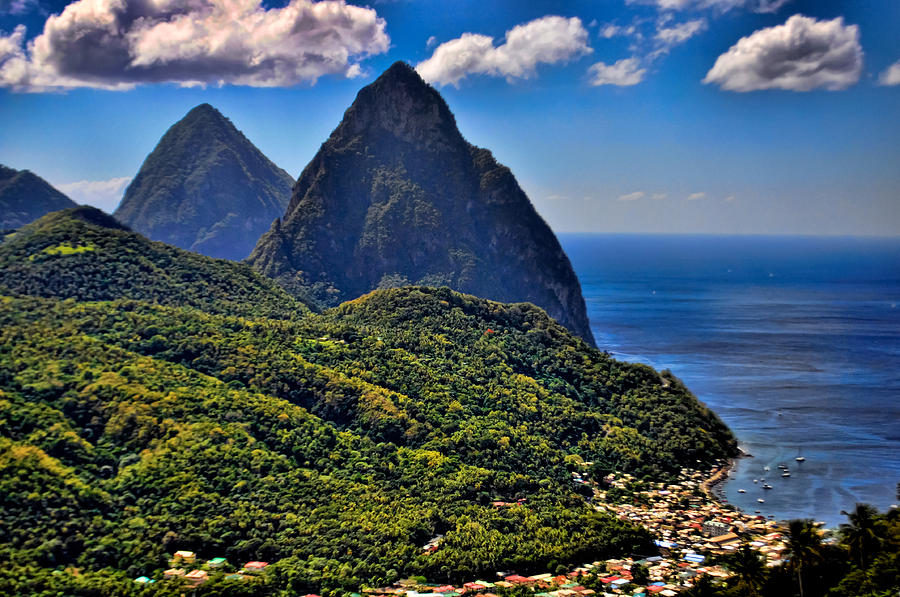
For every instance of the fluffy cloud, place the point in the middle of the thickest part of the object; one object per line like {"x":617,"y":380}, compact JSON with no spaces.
{"x":764,"y":6}
{"x":116,"y":44}
{"x":624,"y":73}
{"x":548,"y":40}
{"x":891,"y":75}
{"x":632,"y":196}
{"x":801,"y":55}
{"x":104,"y":194}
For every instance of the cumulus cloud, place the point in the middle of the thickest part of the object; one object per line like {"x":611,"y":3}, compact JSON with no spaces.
{"x":891,"y":75}
{"x":547,"y":40}
{"x":632,"y":196}
{"x":624,"y":73}
{"x":762,"y":6}
{"x":104,"y":194}
{"x":117,"y":44}
{"x":801,"y":55}
{"x":696,"y":196}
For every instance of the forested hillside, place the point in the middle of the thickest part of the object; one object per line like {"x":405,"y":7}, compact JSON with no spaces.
{"x":335,"y":445}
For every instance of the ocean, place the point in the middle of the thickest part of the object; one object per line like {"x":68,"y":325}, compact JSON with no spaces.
{"x":793,"y":341}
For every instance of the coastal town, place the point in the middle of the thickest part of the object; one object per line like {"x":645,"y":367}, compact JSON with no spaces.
{"x":690,"y":526}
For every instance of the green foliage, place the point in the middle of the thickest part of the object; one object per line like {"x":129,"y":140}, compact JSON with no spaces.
{"x":210,"y":412}
{"x":86,"y":255}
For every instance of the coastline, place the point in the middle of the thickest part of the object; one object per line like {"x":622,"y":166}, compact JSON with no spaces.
{"x":717,"y":477}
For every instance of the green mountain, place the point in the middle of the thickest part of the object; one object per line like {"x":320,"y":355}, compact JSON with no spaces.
{"x":396,"y":196}
{"x":87,"y":255}
{"x":206,"y":188}
{"x":335,"y":444}
{"x":24,"y":197}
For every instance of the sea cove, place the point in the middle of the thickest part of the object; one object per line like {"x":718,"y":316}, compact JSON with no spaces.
{"x":794,"y":342}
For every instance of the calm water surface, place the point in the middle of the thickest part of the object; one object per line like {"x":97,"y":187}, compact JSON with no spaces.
{"x":794,"y":342}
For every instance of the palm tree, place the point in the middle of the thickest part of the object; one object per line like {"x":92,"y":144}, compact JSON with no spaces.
{"x":750,"y":568}
{"x":703,"y":587}
{"x":861,"y":534}
{"x":805,"y":546}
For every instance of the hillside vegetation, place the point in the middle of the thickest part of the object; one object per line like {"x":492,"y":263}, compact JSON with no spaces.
{"x":183,"y":414}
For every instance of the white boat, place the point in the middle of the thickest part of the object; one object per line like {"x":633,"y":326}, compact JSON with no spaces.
{"x":800,"y":459}
{"x":767,"y":487}
{"x":756,"y":480}
{"x":761,"y":501}
{"x":786,"y":474}
{"x":742,"y":491}
{"x":766,"y":468}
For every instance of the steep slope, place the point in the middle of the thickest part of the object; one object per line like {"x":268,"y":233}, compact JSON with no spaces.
{"x":188,"y":416}
{"x":24,"y":197}
{"x":85,"y":254}
{"x":396,"y":196}
{"x":206,"y":188}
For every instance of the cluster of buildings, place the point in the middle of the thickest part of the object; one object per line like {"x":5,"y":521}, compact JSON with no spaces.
{"x":184,"y":564}
{"x":690,"y":527}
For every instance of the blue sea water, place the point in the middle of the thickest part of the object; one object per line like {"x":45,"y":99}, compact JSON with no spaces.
{"x":793,"y":341}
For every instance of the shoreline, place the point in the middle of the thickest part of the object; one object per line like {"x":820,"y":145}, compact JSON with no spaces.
{"x":718,"y":476}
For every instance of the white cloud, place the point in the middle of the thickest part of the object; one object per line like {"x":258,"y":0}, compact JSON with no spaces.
{"x":632,"y":196}
{"x":678,"y":34}
{"x":762,"y":6}
{"x":730,"y":199}
{"x":624,"y":73}
{"x":547,"y":40}
{"x":891,"y":75}
{"x":104,"y":194}
{"x":801,"y":55}
{"x":659,"y":195}
{"x":696,"y":196}
{"x":610,"y":30}
{"x":117,"y":44}
{"x":18,"y":7}
{"x":431,"y":42}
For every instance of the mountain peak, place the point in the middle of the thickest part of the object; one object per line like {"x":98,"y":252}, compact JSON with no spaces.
{"x":401,"y":103}
{"x":397,"y":197}
{"x":205,"y":112}
{"x":206,"y":188}
{"x":25,"y":197}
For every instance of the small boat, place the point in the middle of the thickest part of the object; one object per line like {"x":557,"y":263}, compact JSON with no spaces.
{"x":782,"y":467}
{"x":786,"y":474}
{"x":756,"y":480}
{"x":766,"y":468}
{"x":767,"y":487}
{"x":742,"y":491}
{"x":800,"y":459}
{"x":761,"y":501}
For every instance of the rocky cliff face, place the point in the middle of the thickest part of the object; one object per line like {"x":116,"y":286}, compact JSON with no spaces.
{"x":206,"y":188}
{"x":25,"y":197}
{"x":396,"y":196}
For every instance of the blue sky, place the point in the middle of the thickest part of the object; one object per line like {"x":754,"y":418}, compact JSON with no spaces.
{"x":672,"y":116}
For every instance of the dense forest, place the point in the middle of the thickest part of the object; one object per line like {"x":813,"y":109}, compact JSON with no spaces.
{"x":153,"y":400}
